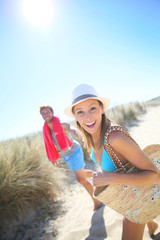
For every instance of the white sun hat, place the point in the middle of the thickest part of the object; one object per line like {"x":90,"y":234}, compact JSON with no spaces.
{"x":81,"y":93}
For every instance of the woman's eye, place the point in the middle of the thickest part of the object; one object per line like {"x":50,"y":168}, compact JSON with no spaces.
{"x":93,"y":108}
{"x":79,"y":112}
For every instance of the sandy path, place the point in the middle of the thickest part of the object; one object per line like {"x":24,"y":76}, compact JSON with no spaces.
{"x":80,"y":222}
{"x":147,"y":130}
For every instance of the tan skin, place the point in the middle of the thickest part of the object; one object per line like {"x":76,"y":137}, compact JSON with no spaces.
{"x":89,"y":115}
{"x":81,"y":174}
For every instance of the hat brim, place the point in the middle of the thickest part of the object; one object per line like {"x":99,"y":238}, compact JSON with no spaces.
{"x":105,"y":102}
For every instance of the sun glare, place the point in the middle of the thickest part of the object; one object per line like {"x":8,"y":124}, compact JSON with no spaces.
{"x":38,"y":12}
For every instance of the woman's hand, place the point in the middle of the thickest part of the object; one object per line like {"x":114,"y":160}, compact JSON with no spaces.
{"x":101,"y":178}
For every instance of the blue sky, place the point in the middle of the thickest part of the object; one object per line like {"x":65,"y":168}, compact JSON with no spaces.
{"x":113,"y":45}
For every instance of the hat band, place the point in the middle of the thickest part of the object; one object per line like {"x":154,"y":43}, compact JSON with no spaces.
{"x":83,"y":97}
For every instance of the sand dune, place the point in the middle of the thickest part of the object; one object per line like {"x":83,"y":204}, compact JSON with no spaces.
{"x":80,"y":222}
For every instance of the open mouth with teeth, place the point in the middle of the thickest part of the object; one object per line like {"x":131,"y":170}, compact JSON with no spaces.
{"x":90,"y":125}
{"x":46,"y":118}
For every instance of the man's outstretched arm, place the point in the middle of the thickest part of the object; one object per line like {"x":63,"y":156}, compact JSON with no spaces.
{"x":67,"y":128}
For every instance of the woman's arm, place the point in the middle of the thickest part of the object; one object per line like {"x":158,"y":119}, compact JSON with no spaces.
{"x":129,"y":152}
{"x":140,"y":178}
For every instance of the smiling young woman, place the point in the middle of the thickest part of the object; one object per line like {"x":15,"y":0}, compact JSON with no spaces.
{"x":88,"y":108}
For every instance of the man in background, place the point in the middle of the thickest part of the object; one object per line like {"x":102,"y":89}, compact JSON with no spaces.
{"x":59,"y":139}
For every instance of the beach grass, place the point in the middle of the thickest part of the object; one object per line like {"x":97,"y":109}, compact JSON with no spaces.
{"x":125,"y":115}
{"x":27,"y":178}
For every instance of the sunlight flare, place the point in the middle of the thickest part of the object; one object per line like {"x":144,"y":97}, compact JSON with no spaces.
{"x":38,"y":12}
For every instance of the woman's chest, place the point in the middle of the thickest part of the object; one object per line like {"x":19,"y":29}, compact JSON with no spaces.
{"x":98,"y":155}
{"x":104,"y":159}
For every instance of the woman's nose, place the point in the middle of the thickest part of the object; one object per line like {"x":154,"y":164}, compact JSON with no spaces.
{"x":87,"y":115}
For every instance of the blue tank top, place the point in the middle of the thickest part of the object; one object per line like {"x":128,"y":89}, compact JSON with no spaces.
{"x":106,"y":163}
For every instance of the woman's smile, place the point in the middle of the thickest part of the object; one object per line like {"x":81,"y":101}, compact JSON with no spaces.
{"x":91,"y":124}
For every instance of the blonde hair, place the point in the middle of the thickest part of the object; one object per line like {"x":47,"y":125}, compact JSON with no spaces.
{"x":45,"y":106}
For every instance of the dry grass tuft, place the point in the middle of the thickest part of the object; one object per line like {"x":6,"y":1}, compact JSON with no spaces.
{"x":125,"y":115}
{"x":27,"y":178}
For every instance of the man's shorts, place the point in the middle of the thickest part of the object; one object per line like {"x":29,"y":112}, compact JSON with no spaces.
{"x":76,"y":160}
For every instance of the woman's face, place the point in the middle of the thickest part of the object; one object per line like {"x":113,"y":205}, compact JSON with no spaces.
{"x":89,"y":115}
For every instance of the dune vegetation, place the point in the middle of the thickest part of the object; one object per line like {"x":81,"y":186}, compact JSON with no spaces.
{"x":28,"y":179}
{"x":125,"y":115}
